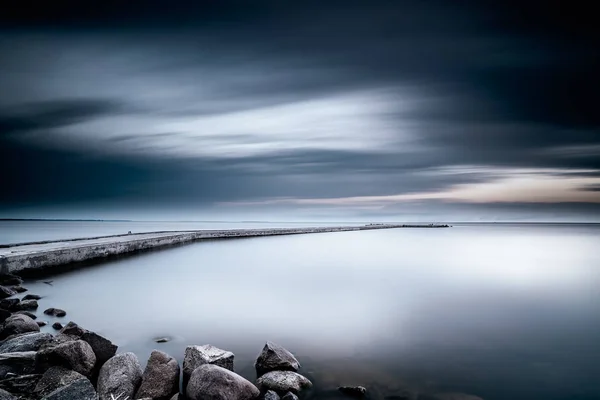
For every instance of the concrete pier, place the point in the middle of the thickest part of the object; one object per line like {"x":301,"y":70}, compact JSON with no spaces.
{"x":42,"y":255}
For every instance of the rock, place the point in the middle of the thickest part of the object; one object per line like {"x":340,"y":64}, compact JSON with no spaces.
{"x":9,"y":304}
{"x":55,"y":378}
{"x":81,"y":389}
{"x":28,"y":313}
{"x":6,"y":292}
{"x":27,"y":305}
{"x":4,"y":395}
{"x":21,"y":384}
{"x":4,"y":314}
{"x":41,"y":323}
{"x":271,"y":395}
{"x":283,"y":381}
{"x":161,"y":377}
{"x":103,"y":348}
{"x":17,"y":323}
{"x":26,"y":342}
{"x":19,"y":289}
{"x":57,"y":326}
{"x":76,"y":355}
{"x":196,"y":356}
{"x":273,"y":357}
{"x":57,"y":312}
{"x":175,"y":397}
{"x":289,"y":396}
{"x":20,"y":363}
{"x":121,"y":375}
{"x":353,"y":391}
{"x":212,"y":382}
{"x":162,"y":340}
{"x":72,"y":329}
{"x":31,"y":297}
{"x":10,"y":279}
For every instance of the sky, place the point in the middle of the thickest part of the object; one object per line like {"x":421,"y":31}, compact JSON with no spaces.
{"x":300,"y":110}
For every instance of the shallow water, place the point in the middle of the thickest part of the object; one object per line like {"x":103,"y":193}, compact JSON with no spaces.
{"x":497,"y":311}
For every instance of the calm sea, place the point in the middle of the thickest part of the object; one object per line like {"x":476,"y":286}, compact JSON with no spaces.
{"x":503,"y":312}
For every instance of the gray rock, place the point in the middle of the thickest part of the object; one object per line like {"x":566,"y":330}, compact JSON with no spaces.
{"x":41,"y":323}
{"x":81,"y":389}
{"x":20,"y":384}
{"x":9,"y":304}
{"x":76,"y":355}
{"x":19,"y":289}
{"x":283,"y":381}
{"x":273,"y":357}
{"x":27,"y":305}
{"x":177,"y":397}
{"x":57,"y":325}
{"x":6,"y":292}
{"x":196,"y":356}
{"x":10,"y":279}
{"x":212,"y":382}
{"x":17,"y":323}
{"x":20,"y":363}
{"x":57,"y":312}
{"x":4,"y":314}
{"x":121,"y":375}
{"x":271,"y":395}
{"x":31,"y":297}
{"x":103,"y":348}
{"x":55,"y":378}
{"x":161,"y":377}
{"x":4,"y":395}
{"x":26,"y":342}
{"x":28,"y":313}
{"x":289,"y":396}
{"x":353,"y":391}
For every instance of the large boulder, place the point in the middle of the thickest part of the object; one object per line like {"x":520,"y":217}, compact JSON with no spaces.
{"x":121,"y":375}
{"x":26,"y":342}
{"x":55,"y":378}
{"x":161,"y":377}
{"x":103,"y":348}
{"x":16,"y":324}
{"x":20,"y":384}
{"x":4,"y":395}
{"x":196,"y":356}
{"x":273,"y":357}
{"x":283,"y":382}
{"x":76,"y":355}
{"x":211,"y":382}
{"x":81,"y":389}
{"x":6,"y":292}
{"x":20,"y":363}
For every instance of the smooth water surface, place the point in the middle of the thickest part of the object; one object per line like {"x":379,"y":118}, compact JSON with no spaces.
{"x":504,"y":312}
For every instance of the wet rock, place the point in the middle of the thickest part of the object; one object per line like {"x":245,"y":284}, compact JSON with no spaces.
{"x":212,"y":382}
{"x":17,"y":323}
{"x":31,"y":297}
{"x":103,"y":348}
{"x":10,"y":279}
{"x":4,"y":314}
{"x":6,"y":292}
{"x":21,"y":384}
{"x":353,"y":391}
{"x":27,"y":305}
{"x":76,"y":355}
{"x":162,"y":340}
{"x":81,"y":389}
{"x":57,"y":312}
{"x":289,"y":396}
{"x":196,"y":356}
{"x":28,"y":342}
{"x":283,"y":381}
{"x":41,"y":323}
{"x":19,"y":363}
{"x":55,"y":378}
{"x":28,"y":313}
{"x":273,"y":357}
{"x":4,"y":395}
{"x":9,"y":304}
{"x":19,"y":289}
{"x":121,"y":375}
{"x":271,"y":395}
{"x":72,"y":329}
{"x":161,"y":377}
{"x":57,"y":326}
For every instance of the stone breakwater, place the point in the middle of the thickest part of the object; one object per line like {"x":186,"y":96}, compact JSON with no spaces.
{"x":44,"y":255}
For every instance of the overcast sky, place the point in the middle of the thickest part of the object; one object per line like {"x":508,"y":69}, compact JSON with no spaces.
{"x":339,"y":110}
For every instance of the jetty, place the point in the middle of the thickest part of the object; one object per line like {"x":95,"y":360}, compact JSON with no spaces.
{"x":42,"y":255}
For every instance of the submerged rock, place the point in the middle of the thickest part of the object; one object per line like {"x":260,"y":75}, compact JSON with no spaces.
{"x":55,"y":378}
{"x":353,"y":391}
{"x":274,"y":357}
{"x":283,"y":382}
{"x":121,"y":375}
{"x":76,"y":355}
{"x":57,"y":312}
{"x":41,"y":323}
{"x":26,"y":342}
{"x":27,"y":305}
{"x":196,"y":356}
{"x":212,"y":382}
{"x":17,"y":323}
{"x":31,"y":297}
{"x":160,"y":379}
{"x":6,"y":292}
{"x":57,"y":326}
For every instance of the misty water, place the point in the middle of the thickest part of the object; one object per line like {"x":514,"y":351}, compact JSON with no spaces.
{"x":497,"y":311}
